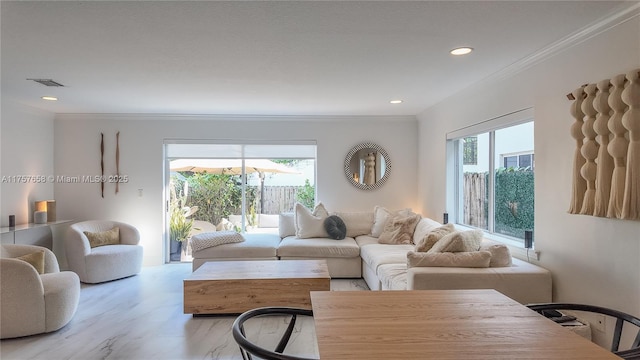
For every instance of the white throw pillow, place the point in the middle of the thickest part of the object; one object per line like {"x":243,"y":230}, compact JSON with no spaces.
{"x":380,"y":217}
{"x":310,"y":224}
{"x":423,"y":228}
{"x":286,"y":225}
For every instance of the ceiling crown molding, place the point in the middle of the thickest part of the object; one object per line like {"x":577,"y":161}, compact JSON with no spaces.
{"x":230,"y":117}
{"x":615,"y":18}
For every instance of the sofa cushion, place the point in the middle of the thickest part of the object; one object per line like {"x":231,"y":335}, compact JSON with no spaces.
{"x":358,"y":223}
{"x":424,"y":226}
{"x":256,"y":245}
{"x":473,"y":259}
{"x":375,"y":255}
{"x":286,"y":224}
{"x":318,"y":247}
{"x":380,"y":217}
{"x":433,"y":236}
{"x":459,"y":241}
{"x":364,"y":240}
{"x":393,"y":276}
{"x":335,"y":227}
{"x":310,"y":224}
{"x":399,"y":229}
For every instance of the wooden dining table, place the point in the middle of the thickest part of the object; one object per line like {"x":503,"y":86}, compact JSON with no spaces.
{"x":440,"y":324}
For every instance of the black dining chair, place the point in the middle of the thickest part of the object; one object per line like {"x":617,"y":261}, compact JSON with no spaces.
{"x":249,"y":349}
{"x":633,"y":353}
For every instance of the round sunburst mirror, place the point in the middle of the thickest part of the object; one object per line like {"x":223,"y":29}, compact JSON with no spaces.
{"x":367,"y":166}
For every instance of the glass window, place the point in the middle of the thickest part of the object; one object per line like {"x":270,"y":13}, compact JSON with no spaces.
{"x":525,"y":160}
{"x":496,"y":193}
{"x":510,"y":162}
{"x":470,"y":155}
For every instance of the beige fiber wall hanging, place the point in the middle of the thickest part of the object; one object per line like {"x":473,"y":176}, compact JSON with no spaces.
{"x":606,"y":161}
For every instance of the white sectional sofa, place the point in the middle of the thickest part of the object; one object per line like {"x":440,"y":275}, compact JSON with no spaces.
{"x":382,"y":266}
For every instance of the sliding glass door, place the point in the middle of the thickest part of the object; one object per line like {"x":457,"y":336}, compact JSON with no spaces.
{"x":237,"y":186}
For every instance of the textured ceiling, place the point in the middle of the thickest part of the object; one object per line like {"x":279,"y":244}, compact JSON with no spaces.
{"x":269,"y":58}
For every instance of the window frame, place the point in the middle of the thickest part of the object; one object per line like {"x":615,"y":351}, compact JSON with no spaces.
{"x":454,"y":168}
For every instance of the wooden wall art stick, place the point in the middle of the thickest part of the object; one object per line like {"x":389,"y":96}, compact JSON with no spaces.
{"x":589,"y":150}
{"x":579,"y":183}
{"x":631,"y":121}
{"x":102,"y":164}
{"x":117,"y":161}
{"x":617,"y":147}
{"x":605,"y":160}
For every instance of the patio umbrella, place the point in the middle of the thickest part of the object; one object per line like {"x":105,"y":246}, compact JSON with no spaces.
{"x":230,"y":166}
{"x":233,"y":167}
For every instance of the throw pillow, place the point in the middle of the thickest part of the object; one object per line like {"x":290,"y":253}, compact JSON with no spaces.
{"x":459,"y":241}
{"x":424,"y":227}
{"x":380,"y":217}
{"x":210,"y":239}
{"x":357,"y":223}
{"x":500,"y":255}
{"x":399,"y":229}
{"x":35,"y":259}
{"x":335,"y":227}
{"x":102,"y":238}
{"x":310,"y":224}
{"x":427,"y":242}
{"x":286,"y":225}
{"x":474,"y":259}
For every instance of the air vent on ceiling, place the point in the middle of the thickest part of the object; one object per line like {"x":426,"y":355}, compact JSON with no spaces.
{"x":47,"y":82}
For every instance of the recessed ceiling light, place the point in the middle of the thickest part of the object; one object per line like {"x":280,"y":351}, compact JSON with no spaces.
{"x":461,"y":51}
{"x":50,"y":98}
{"x":395,"y":102}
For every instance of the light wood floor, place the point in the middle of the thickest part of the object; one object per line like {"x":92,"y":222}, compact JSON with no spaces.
{"x":141,"y":318}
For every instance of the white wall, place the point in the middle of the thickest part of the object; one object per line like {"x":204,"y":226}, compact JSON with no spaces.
{"x":26,"y":149}
{"x":593,"y":260}
{"x":77,"y":153}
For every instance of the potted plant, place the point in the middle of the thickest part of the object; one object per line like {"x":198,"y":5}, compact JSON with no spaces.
{"x":179,"y":224}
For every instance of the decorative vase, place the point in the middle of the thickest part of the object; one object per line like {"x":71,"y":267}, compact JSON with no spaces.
{"x":175,"y":250}
{"x":40,"y":217}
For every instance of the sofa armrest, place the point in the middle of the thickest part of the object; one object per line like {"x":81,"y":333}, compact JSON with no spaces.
{"x":76,"y":242}
{"x":523,"y":282}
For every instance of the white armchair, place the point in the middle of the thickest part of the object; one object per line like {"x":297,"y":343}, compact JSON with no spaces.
{"x":33,"y":303}
{"x":103,"y":263}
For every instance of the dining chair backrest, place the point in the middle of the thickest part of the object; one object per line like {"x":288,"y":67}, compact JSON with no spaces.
{"x":249,"y":349}
{"x":621,"y":318}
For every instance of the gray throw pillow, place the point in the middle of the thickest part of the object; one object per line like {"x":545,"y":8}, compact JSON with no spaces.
{"x":335,"y":227}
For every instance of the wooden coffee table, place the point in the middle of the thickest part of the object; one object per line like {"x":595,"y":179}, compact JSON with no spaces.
{"x":233,"y":287}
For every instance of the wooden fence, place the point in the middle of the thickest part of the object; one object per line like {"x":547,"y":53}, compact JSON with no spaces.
{"x":475,"y":198}
{"x":277,"y":199}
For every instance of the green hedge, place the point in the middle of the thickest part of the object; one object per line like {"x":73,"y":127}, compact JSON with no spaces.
{"x":219,"y":195}
{"x":514,"y":202}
